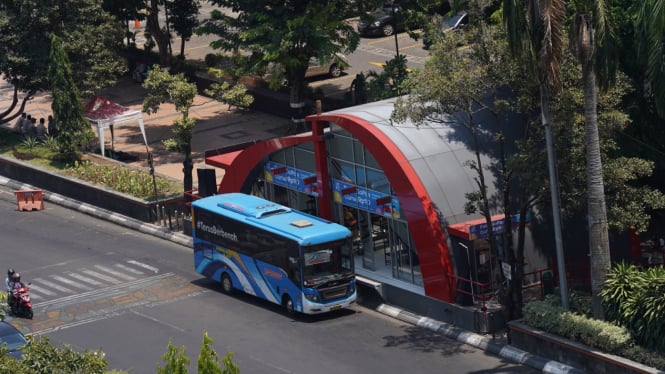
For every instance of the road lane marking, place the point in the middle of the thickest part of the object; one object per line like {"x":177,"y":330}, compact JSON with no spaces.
{"x":109,"y":289}
{"x":128,"y":269}
{"x":115,"y":273}
{"x":49,"y":284}
{"x":103,"y":277}
{"x":145,"y":266}
{"x":70,"y":282}
{"x":85,"y":279}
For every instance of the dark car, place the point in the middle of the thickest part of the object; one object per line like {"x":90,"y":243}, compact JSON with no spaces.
{"x":441,"y":27}
{"x":12,"y":339}
{"x":380,"y":21}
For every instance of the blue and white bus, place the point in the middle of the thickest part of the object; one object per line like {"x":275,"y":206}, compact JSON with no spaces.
{"x":288,"y":257}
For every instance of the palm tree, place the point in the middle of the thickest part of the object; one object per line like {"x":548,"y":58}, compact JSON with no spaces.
{"x":594,"y":46}
{"x":650,"y":29}
{"x":535,"y":28}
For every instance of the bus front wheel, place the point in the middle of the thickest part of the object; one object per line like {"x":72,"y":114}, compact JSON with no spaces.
{"x":227,"y":286}
{"x":288,"y":305}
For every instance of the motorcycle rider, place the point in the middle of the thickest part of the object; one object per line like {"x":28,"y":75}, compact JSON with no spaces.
{"x":9,"y":284}
{"x":17,"y":285}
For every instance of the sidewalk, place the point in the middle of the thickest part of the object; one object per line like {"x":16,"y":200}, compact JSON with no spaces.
{"x":216,"y":127}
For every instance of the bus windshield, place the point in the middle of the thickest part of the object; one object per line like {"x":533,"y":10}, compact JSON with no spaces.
{"x":327,"y":262}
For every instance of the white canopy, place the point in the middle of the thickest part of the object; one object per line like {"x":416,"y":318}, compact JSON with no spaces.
{"x":103,"y":113}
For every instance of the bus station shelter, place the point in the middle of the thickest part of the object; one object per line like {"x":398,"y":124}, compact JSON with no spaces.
{"x":403,"y":184}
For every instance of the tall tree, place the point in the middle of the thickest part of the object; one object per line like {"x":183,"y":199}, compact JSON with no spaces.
{"x":158,"y":33}
{"x":183,"y":18}
{"x":163,"y":87}
{"x":74,"y":130}
{"x":91,"y":38}
{"x":287,"y":34}
{"x":593,"y":46}
{"x":454,"y":86}
{"x":126,"y":11}
{"x":650,"y":26}
{"x":535,"y":30}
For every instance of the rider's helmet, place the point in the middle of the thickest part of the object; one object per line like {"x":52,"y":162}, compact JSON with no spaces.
{"x":10,"y":273}
{"x":16,"y":277}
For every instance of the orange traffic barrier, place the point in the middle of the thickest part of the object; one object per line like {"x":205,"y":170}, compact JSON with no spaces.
{"x":30,"y":199}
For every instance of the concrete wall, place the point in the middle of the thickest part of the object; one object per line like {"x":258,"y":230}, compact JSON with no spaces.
{"x":468,"y":318}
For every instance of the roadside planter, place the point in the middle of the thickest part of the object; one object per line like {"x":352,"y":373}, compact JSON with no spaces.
{"x":83,"y":191}
{"x":571,"y":353}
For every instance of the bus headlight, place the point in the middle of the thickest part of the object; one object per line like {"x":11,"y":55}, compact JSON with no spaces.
{"x":313,"y":298}
{"x":351,"y":289}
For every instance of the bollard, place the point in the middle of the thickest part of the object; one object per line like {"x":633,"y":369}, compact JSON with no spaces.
{"x":30,"y":199}
{"x":163,"y":215}
{"x":177,"y":222}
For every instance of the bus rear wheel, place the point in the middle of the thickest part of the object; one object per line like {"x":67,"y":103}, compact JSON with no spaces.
{"x":227,"y":286}
{"x":288,"y":305}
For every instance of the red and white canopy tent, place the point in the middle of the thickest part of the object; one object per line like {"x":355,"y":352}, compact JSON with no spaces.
{"x":104,"y":113}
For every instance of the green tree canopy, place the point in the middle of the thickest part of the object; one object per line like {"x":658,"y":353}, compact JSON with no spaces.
{"x":91,"y":40}
{"x":74,"y":130}
{"x":286,"y":33}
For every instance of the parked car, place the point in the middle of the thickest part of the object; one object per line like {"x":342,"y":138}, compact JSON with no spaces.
{"x":13,"y":339}
{"x":441,"y":27}
{"x":380,"y":21}
{"x":333,"y":67}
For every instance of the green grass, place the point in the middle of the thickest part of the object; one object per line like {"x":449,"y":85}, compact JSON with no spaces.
{"x":126,"y":179}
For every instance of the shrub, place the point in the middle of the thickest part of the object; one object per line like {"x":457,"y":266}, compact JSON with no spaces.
{"x":547,"y":315}
{"x":635,"y":298}
{"x":135,"y":182}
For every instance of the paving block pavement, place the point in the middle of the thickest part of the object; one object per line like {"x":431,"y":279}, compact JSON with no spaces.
{"x":216,"y":126}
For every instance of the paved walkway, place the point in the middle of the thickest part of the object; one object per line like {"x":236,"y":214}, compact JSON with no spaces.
{"x":216,"y":126}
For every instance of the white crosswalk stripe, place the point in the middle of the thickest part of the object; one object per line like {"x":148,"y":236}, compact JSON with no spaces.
{"x":85,"y":279}
{"x":116,"y":274}
{"x":70,"y":282}
{"x":129,"y":269}
{"x":89,"y":279}
{"x":49,"y":284}
{"x":103,"y":277}
{"x":145,"y":266}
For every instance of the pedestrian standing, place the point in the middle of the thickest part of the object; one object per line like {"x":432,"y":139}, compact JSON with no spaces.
{"x":51,"y":127}
{"x":18,"y":127}
{"x":28,"y":126}
{"x":40,"y":129}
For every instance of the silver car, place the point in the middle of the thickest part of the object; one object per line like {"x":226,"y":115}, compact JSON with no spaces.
{"x":334,"y":67}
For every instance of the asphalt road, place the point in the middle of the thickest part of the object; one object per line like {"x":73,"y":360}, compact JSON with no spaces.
{"x":98,"y":285}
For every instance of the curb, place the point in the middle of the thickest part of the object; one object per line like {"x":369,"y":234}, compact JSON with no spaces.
{"x":504,"y":351}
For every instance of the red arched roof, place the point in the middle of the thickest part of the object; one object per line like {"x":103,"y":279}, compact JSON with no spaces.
{"x":424,"y":224}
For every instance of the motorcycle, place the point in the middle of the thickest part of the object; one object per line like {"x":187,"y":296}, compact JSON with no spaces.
{"x":22,"y":306}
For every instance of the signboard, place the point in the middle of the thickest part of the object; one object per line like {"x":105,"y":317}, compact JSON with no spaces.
{"x":362,"y":198}
{"x":290,"y":177}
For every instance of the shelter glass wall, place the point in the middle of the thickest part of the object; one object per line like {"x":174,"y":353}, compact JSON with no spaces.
{"x":382,"y":242}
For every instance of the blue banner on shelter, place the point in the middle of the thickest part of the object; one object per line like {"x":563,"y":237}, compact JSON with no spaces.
{"x":290,"y":177}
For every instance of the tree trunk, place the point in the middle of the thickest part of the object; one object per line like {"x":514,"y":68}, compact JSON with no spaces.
{"x":598,"y":227}
{"x":161,"y":38}
{"x":297,"y":98}
{"x":188,"y":179}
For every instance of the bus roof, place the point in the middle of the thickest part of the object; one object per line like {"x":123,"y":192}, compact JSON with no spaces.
{"x":304,"y":228}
